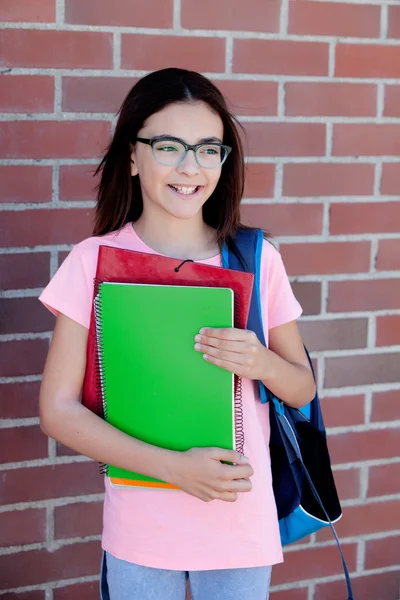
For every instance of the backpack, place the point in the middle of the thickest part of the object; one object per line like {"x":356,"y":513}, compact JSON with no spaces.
{"x":303,"y":483}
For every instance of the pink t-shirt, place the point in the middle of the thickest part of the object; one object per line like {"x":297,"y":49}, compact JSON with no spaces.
{"x":170,"y":529}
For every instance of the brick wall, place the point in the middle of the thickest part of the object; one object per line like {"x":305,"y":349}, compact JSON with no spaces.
{"x":316,"y":85}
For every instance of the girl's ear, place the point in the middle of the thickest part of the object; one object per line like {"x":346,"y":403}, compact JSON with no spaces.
{"x":134,"y":169}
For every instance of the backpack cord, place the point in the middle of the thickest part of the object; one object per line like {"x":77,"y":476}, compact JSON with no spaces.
{"x":291,"y":447}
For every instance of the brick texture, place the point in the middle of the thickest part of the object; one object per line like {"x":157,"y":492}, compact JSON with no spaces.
{"x":315,"y":87}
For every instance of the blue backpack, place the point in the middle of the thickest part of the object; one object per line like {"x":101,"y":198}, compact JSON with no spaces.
{"x":303,"y":483}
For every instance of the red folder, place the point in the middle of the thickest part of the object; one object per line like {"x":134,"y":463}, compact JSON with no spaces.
{"x":129,"y":266}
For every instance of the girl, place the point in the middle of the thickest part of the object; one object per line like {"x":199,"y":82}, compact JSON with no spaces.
{"x":171,"y":184}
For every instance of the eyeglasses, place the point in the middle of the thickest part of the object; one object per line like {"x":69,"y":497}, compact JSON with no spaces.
{"x":172,"y":151}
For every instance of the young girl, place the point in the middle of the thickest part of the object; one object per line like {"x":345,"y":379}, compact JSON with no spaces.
{"x":171,"y":184}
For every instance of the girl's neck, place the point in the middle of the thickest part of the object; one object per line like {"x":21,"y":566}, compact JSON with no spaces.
{"x":178,"y":238}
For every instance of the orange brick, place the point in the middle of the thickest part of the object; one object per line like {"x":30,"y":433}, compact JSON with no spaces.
{"x":53,"y":139}
{"x":25,"y":183}
{"x":320,"y":179}
{"x":23,"y":11}
{"x":253,"y":15}
{"x":77,"y":182}
{"x":386,"y":406}
{"x":392,"y":101}
{"x":280,"y":57}
{"x":384,"y":480}
{"x":330,"y":99}
{"x":382,"y":553}
{"x":367,"y":60}
{"x":326,"y":257}
{"x":78,"y":519}
{"x":283,"y":219}
{"x":341,"y":411}
{"x":364,"y":217}
{"x":388,"y":330}
{"x":152,"y":52}
{"x":250,"y":97}
{"x":370,"y":587}
{"x":95,"y":94}
{"x":58,"y":49}
{"x":260,"y":180}
{"x":26,"y":93}
{"x":366,"y":139}
{"x":390,"y":184}
{"x":333,"y":18}
{"x":285,"y":139}
{"x":363,"y":295}
{"x":125,"y":13}
{"x":347,"y":483}
{"x":388,"y":255}
{"x":394,"y":22}
{"x":365,"y":369}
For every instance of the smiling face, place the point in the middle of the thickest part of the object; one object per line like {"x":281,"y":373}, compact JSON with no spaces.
{"x":178,"y":191}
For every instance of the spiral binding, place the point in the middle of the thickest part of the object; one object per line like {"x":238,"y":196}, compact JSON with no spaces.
{"x":238,"y":403}
{"x":101,"y":392}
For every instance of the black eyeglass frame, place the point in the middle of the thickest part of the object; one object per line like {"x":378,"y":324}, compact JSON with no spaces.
{"x":152,"y":141}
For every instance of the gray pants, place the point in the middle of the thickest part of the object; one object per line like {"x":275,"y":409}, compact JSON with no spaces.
{"x":121,"y":580}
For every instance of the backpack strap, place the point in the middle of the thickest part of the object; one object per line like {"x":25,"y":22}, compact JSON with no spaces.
{"x":249,"y":243}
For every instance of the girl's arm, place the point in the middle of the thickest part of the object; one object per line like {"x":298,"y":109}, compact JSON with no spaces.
{"x":63,"y":417}
{"x":283,"y":367}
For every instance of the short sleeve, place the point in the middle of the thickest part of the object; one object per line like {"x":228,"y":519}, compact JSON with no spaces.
{"x":70,"y":291}
{"x":277,"y":298}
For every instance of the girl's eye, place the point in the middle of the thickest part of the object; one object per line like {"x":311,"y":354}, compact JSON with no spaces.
{"x":210,"y":150}
{"x":167,"y":148}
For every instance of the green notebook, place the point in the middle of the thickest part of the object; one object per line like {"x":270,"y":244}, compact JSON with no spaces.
{"x":155,"y":386}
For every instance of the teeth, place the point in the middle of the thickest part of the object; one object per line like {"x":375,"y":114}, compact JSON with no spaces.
{"x":184,"y":189}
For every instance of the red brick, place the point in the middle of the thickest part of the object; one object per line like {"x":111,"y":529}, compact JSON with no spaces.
{"x":330,"y":99}
{"x":323,"y":179}
{"x":369,"y":587}
{"x":385,"y":406}
{"x":254,"y":15}
{"x":39,"y":566}
{"x":250,"y":97}
{"x":77,"y":182}
{"x":336,"y":19}
{"x":364,"y":217}
{"x":384,"y":480}
{"x":53,"y":139}
{"x":25,"y":183}
{"x":56,"y":49}
{"x":285,"y":139}
{"x":366,"y":139}
{"x":341,"y":411}
{"x":364,"y":445}
{"x":25,"y":270}
{"x":280,"y":57}
{"x":45,"y":227}
{"x":388,"y":257}
{"x":388,"y":330}
{"x":95,"y":94}
{"x":394,"y":22}
{"x":362,"y":370}
{"x":260,"y":180}
{"x":86,"y":591}
{"x":78,"y":520}
{"x":348,"y":483}
{"x":125,"y":13}
{"x":24,"y":315}
{"x":392,"y":100}
{"x":334,"y":334}
{"x":308,"y":293}
{"x":152,"y":52}
{"x":22,"y":443}
{"x":367,"y":60}
{"x":20,"y":527}
{"x":365,"y":519}
{"x":312,"y":562}
{"x":26,"y":93}
{"x":20,"y":10}
{"x":25,"y":357}
{"x":299,"y":594}
{"x":326,"y":257}
{"x":382,"y":553}
{"x":19,"y":400}
{"x":56,"y":481}
{"x":390,"y":184}
{"x":378,"y":294}
{"x":284,"y":219}
{"x":36,"y":595}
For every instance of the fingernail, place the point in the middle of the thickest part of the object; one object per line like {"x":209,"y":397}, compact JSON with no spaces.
{"x":244,"y":459}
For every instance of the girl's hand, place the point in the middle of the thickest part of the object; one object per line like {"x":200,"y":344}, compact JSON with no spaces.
{"x":236,"y":350}
{"x":200,"y":473}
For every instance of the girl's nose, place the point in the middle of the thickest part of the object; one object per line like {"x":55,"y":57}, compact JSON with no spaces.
{"x":189,"y":164}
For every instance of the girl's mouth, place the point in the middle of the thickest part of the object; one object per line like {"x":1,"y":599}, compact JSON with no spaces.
{"x":185,"y":190}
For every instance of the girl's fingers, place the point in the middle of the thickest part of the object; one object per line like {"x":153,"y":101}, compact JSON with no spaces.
{"x":235,"y":368}
{"x":230,"y":334}
{"x":209,"y":344}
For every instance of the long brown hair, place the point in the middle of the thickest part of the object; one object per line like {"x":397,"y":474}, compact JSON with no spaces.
{"x":119,"y":197}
